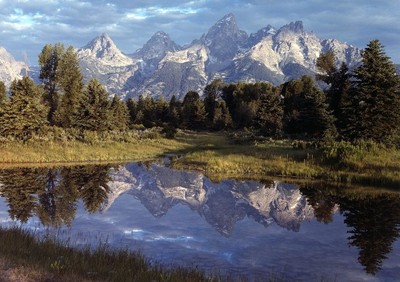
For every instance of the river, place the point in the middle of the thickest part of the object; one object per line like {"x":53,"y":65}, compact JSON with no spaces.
{"x":254,"y":229}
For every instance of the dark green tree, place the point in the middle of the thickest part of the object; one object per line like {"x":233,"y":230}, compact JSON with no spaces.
{"x":305,"y":110}
{"x":338,"y":88}
{"x":49,"y":60}
{"x":93,"y":112}
{"x":3,"y":96}
{"x":70,"y":79}
{"x":269,"y":115}
{"x":222,"y":118}
{"x":174,"y":112}
{"x":131,"y":104}
{"x":119,"y":114}
{"x":375,"y":102}
{"x":23,"y":114}
{"x":193,"y":111}
{"x":212,"y":92}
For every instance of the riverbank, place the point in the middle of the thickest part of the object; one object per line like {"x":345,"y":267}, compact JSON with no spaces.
{"x":219,"y":156}
{"x":25,"y":258}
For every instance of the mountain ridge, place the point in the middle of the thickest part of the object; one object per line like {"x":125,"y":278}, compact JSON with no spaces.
{"x":163,"y":68}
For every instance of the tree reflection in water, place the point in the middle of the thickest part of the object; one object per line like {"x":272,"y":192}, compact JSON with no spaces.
{"x":52,"y":194}
{"x":373,"y":220}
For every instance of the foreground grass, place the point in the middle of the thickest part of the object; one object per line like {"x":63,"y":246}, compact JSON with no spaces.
{"x":51,"y":261}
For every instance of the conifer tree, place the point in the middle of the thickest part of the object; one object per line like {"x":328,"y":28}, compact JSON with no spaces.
{"x":269,"y":116}
{"x":339,"y":87}
{"x":212,"y":91}
{"x":375,"y":102}
{"x":132,"y":110}
{"x":23,"y":114}
{"x":2,"y":93}
{"x":174,"y":112}
{"x":93,"y":111}
{"x":119,"y":114}
{"x":193,"y":111}
{"x":221,"y":118}
{"x":306,"y":110}
{"x":70,"y":80}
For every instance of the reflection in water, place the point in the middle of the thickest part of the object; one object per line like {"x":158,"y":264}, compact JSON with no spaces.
{"x":374,"y":221}
{"x":53,"y":194}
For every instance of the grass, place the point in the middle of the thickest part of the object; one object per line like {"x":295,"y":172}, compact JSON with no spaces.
{"x":60,"y":262}
{"x":219,"y":157}
{"x":93,"y":148}
{"x":365,"y":163}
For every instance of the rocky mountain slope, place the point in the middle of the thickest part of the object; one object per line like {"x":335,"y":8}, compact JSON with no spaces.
{"x":163,"y":68}
{"x":222,"y":204}
{"x":10,"y":69}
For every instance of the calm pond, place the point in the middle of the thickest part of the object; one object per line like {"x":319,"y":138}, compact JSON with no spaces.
{"x":180,"y":218}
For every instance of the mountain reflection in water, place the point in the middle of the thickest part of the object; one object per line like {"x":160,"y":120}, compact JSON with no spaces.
{"x":53,"y":196}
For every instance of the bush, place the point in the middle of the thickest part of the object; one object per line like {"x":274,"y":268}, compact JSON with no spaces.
{"x":169,"y":131}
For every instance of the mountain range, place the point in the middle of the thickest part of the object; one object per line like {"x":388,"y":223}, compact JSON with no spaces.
{"x":163,"y":68}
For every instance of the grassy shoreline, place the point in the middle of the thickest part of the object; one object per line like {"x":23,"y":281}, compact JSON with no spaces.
{"x":50,"y":260}
{"x":219,"y":157}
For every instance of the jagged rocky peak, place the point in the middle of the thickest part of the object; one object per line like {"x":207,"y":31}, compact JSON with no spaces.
{"x":295,"y":27}
{"x":104,"y":48}
{"x":226,"y":28}
{"x":254,"y":38}
{"x":100,"y":45}
{"x":157,"y":46}
{"x":223,"y":41}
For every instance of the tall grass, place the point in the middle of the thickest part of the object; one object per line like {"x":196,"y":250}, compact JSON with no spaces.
{"x":102,"y":264}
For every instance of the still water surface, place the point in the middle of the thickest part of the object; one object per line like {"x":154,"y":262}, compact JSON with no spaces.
{"x":180,"y":218}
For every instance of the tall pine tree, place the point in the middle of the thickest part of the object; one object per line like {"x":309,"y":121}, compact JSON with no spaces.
{"x":119,"y":114}
{"x":375,"y":102}
{"x":93,"y":111}
{"x":70,"y":80}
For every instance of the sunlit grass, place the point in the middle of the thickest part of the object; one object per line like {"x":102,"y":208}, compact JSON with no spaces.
{"x":218,"y":156}
{"x":367,"y":163}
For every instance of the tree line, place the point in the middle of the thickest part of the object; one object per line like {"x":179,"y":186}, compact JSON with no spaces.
{"x":360,"y":104}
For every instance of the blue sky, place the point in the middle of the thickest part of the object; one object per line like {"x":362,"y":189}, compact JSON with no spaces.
{"x":27,"y":25}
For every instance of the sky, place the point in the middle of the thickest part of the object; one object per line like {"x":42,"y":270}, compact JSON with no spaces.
{"x":27,"y":25}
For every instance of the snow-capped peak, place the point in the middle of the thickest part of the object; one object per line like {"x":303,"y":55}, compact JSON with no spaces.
{"x":103,"y":48}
